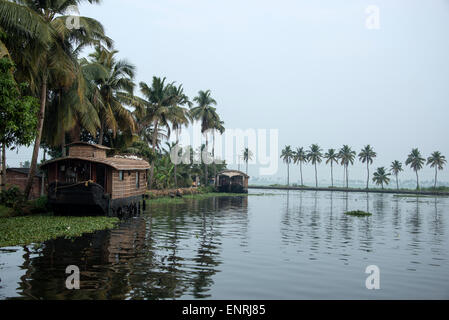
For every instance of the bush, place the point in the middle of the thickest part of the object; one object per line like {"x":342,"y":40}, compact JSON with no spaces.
{"x":12,"y":197}
{"x":40,"y":205}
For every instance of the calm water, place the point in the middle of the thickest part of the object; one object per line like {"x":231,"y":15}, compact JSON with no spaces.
{"x":281,"y":245}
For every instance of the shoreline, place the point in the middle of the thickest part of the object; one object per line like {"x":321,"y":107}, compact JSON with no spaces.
{"x":390,"y":191}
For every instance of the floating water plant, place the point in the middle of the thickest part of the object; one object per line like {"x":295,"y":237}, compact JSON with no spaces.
{"x":358,"y":213}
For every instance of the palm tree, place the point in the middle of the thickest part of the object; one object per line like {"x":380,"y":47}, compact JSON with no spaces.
{"x":381,"y":177}
{"x":396,"y":167}
{"x":247,"y":155}
{"x":287,"y":155}
{"x":116,"y":88}
{"x":346,"y":155}
{"x":217,"y":126}
{"x":157,"y":102}
{"x":300,"y":156}
{"x":315,"y":156}
{"x":332,"y":156}
{"x":179,"y":116}
{"x":416,"y":162}
{"x":437,"y":161}
{"x":367,"y":155}
{"x":38,"y":42}
{"x":206,"y":113}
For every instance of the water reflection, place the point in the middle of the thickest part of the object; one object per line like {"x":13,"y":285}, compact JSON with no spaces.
{"x":288,"y":245}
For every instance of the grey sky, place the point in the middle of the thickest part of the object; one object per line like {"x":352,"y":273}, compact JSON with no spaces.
{"x":309,"y":68}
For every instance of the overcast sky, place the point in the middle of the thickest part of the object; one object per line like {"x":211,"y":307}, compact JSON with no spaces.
{"x":308,"y":68}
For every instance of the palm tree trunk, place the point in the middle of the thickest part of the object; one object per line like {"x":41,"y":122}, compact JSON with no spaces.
{"x":213,"y":154}
{"x":417,"y":180}
{"x":367,"y":177}
{"x":300,"y":169}
{"x":435,"y":186}
{"x":247,"y":166}
{"x":205,"y":165}
{"x":101,"y":136}
{"x":37,"y":142}
{"x":347,"y":177}
{"x":154,"y":141}
{"x":3,"y":166}
{"x":332,"y":175}
{"x":175,"y":171}
{"x":397,"y":182}
{"x":316,"y":177}
{"x":288,"y":174}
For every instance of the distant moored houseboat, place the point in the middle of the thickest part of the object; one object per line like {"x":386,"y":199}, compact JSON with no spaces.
{"x":232,"y":181}
{"x":87,"y":182}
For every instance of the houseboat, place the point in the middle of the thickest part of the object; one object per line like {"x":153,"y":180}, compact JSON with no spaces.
{"x":88,"y":182}
{"x":232,"y":181}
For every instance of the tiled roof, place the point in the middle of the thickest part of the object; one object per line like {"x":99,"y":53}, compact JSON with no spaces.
{"x":116,"y":163}
{"x":24,"y":171}
{"x":79,"y":143}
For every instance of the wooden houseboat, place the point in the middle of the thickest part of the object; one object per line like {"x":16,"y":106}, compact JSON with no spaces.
{"x":232,"y":181}
{"x":87,"y":182}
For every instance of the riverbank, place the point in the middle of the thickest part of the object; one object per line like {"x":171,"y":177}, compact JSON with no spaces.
{"x":391,"y":191}
{"x":15,"y":231}
{"x":179,"y":196}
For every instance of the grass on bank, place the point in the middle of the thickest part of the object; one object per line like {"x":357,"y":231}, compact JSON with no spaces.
{"x":198,"y":196}
{"x":15,"y":231}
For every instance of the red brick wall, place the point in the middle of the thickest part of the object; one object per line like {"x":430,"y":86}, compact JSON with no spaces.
{"x":20,"y":180}
{"x":127,"y":187}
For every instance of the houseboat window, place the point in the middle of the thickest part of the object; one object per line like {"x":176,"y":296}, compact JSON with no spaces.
{"x":120,"y":175}
{"x":137,"y":180}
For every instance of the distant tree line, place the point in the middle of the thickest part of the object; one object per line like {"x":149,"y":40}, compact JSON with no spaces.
{"x":346,"y":157}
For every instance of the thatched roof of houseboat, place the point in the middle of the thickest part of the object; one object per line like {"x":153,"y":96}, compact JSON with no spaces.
{"x":232,"y":173}
{"x":114,"y":162}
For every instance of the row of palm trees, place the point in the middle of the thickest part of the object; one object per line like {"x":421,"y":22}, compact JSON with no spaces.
{"x":87,"y":98}
{"x":346,"y":156}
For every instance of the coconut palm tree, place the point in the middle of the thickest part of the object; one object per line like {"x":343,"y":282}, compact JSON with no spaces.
{"x":219,"y":127}
{"x":346,"y":156}
{"x":396,"y":167}
{"x":114,"y":89}
{"x":287,"y":155}
{"x":315,"y":156}
{"x":179,"y":116}
{"x":300,"y":156}
{"x":247,"y":155}
{"x":331,"y":156}
{"x":38,"y":41}
{"x":381,"y":176}
{"x":206,"y":113}
{"x":367,"y":155}
{"x":157,"y":102}
{"x":416,"y":162}
{"x":437,"y":161}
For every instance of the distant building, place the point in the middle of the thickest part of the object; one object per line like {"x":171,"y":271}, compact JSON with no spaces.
{"x":18,"y":177}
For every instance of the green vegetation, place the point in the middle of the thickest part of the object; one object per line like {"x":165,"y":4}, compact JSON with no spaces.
{"x":367,"y":156}
{"x":17,"y":113}
{"x":358,"y":213}
{"x":93,"y":99}
{"x":35,"y":229}
{"x":381,"y":176}
{"x":287,"y":156}
{"x":5,"y":211}
{"x":198,"y":196}
{"x":346,"y":156}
